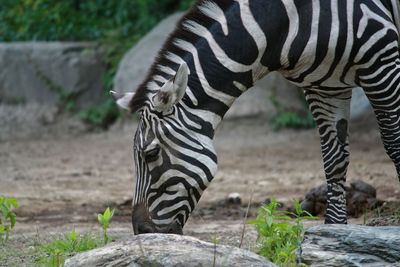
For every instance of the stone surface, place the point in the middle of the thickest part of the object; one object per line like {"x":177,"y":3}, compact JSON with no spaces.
{"x":360,"y":107}
{"x":32,"y":72}
{"x":351,"y":245}
{"x":360,"y":197}
{"x":166,"y":251}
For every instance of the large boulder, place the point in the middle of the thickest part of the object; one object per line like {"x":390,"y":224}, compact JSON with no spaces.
{"x":351,"y":245}
{"x":166,"y":251}
{"x":41,"y":72}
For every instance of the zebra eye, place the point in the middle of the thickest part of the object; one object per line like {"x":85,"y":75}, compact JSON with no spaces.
{"x":152,"y":155}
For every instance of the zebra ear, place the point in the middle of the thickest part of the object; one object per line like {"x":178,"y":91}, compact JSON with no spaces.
{"x":123,"y":100}
{"x":172,"y":91}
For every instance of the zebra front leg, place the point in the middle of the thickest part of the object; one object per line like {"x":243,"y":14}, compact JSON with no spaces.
{"x":331,"y":113}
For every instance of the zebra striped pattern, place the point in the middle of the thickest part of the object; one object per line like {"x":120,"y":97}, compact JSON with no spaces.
{"x":220,"y":48}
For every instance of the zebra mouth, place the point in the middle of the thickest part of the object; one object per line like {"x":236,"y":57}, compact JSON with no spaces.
{"x":142,"y":223}
{"x":174,"y":228}
{"x":149,"y":227}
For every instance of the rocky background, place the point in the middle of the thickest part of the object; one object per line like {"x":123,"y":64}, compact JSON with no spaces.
{"x":58,"y":159}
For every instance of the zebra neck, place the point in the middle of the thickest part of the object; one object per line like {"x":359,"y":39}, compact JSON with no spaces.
{"x":208,"y":113}
{"x":224,"y":58}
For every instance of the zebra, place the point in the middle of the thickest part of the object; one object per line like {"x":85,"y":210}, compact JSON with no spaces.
{"x":217,"y":51}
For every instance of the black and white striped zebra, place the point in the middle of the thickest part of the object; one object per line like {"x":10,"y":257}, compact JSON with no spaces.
{"x":219,"y":49}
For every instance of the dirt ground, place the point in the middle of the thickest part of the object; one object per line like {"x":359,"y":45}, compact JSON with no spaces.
{"x":62,"y":181}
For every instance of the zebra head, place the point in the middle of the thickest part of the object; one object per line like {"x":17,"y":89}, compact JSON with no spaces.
{"x":174,"y":160}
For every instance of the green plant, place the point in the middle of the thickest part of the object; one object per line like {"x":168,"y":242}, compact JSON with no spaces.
{"x":54,"y":253}
{"x":104,"y":219}
{"x":280,"y":233}
{"x":286,"y":118}
{"x":7,"y":216}
{"x":87,"y":20}
{"x":292,"y":119}
{"x":101,"y":115}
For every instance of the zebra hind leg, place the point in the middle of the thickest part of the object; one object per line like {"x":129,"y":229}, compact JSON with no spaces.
{"x":331,"y":113}
{"x":385,"y":99}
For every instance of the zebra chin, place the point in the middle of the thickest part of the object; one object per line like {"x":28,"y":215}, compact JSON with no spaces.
{"x":142,"y":223}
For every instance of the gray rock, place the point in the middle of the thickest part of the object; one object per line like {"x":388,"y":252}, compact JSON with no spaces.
{"x":364,"y":187}
{"x":360,"y":197}
{"x":166,"y":251}
{"x":351,"y":245}
{"x":32,"y":72}
{"x":234,"y":198}
{"x":257,"y":100}
{"x":360,"y":106}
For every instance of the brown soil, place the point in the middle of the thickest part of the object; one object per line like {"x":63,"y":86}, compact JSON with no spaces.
{"x":62,"y":181}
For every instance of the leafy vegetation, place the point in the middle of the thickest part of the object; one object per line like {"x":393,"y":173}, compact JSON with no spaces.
{"x":54,"y":253}
{"x":7,"y":216}
{"x":292,"y":119}
{"x":295,"y":119}
{"x":77,"y":20}
{"x":280,"y":233}
{"x":104,"y":220}
{"x":116,"y":25}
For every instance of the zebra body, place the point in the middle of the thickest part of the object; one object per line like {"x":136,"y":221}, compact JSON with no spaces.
{"x":219,"y":49}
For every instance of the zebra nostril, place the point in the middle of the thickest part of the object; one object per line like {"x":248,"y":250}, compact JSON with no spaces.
{"x":145,"y":228}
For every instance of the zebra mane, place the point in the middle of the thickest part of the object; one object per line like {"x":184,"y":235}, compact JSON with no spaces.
{"x":200,"y":12}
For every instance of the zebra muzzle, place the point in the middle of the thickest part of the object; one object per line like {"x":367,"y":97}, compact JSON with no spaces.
{"x":147,"y":228}
{"x":142,"y":223}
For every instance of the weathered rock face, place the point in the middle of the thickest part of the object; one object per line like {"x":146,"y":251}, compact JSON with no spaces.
{"x":34,"y":72}
{"x":360,"y":197}
{"x":351,"y":245}
{"x":360,"y":107}
{"x":166,"y":251}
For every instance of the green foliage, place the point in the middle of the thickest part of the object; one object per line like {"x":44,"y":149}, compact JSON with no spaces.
{"x":101,"y":115}
{"x":7,"y":216}
{"x":292,"y":119}
{"x":280,"y":233}
{"x":77,"y":20}
{"x":289,"y":118}
{"x":104,"y":219}
{"x":54,"y":253}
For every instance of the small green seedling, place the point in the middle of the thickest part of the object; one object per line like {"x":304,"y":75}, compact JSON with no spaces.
{"x":54,"y":253}
{"x":280,"y":233}
{"x":7,"y":217}
{"x":104,"y":220}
